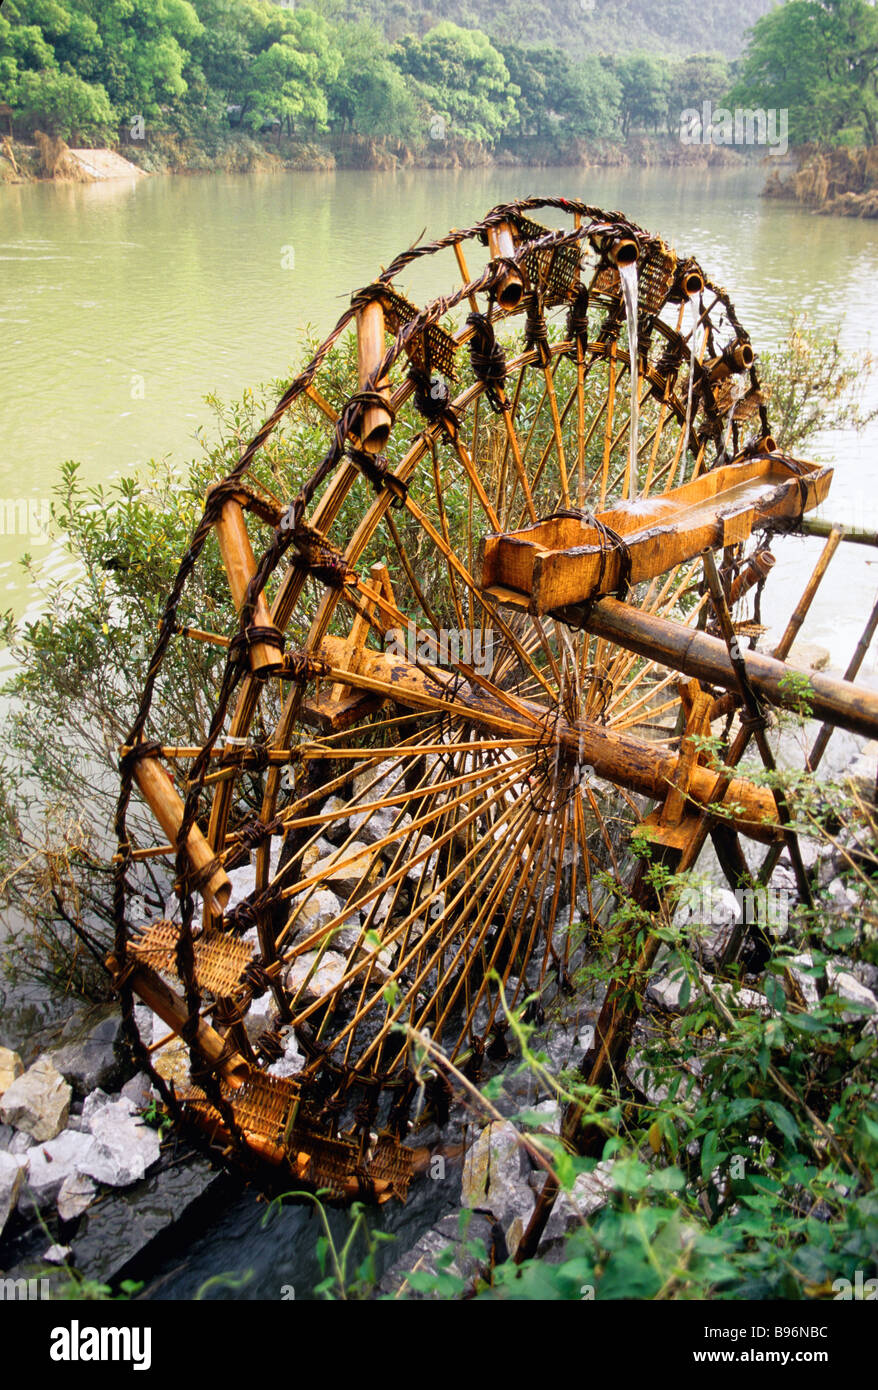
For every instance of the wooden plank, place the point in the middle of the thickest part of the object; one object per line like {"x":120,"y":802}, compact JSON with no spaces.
{"x":565,"y":560}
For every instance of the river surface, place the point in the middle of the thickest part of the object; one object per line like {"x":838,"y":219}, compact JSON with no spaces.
{"x":122,"y":305}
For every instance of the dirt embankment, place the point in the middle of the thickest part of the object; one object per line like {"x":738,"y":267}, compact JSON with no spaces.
{"x":50,"y":158}
{"x":843,"y":182}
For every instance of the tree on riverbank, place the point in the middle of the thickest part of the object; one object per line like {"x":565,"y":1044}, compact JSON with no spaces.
{"x":819,"y":60}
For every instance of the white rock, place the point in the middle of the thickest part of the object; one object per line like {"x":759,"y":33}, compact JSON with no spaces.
{"x":12,"y":1172}
{"x":124,"y":1146}
{"x":243,"y":881}
{"x":377,"y":825}
{"x":549,"y":1112}
{"x":291,"y":1062}
{"x":848,"y":987}
{"x":590,"y":1192}
{"x":643,"y":1077}
{"x":335,"y":830}
{"x":319,"y":908}
{"x":138,"y":1090}
{"x":384,"y":775}
{"x":20,"y":1142}
{"x":320,"y":849}
{"x":808,"y":656}
{"x":797,"y":966}
{"x":38,"y":1101}
{"x":667,"y":991}
{"x":841,"y":895}
{"x":76,"y":1193}
{"x":57,"y":1254}
{"x":97,"y":1100}
{"x":49,"y":1164}
{"x":260,"y":1016}
{"x":327,"y":975}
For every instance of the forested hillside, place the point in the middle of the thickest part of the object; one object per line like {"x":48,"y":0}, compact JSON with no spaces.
{"x":553,"y":71}
{"x":580,"y":26}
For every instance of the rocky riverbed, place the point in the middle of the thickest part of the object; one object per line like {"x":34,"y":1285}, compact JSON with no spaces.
{"x":91,"y":1182}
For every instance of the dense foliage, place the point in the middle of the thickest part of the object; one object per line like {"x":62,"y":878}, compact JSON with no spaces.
{"x":87,"y":70}
{"x":819,"y":60}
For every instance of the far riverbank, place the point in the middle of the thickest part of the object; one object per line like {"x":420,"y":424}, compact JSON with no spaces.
{"x":233,"y":153}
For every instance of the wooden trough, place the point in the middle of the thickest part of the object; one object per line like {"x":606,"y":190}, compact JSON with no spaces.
{"x":569,"y":559}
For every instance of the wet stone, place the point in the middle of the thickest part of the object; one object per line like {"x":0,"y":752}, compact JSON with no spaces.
{"x":93,"y":1057}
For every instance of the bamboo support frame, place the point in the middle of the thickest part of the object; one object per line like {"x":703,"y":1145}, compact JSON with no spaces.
{"x":240,"y":566}
{"x":375,"y":428}
{"x":158,"y":791}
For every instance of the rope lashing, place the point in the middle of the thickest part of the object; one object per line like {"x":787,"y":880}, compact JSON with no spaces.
{"x":432,"y":397}
{"x":536,"y":333}
{"x":304,"y":666}
{"x":376,"y":470}
{"x":240,"y":644}
{"x":610,"y":543}
{"x":319,"y":556}
{"x":577,"y":318}
{"x":487,"y":358}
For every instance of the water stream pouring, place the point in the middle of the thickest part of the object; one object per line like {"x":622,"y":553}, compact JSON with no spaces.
{"x":628,"y":280}
{"x":695,"y":306}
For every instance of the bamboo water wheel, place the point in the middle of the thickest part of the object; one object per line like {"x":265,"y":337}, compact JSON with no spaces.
{"x":472,"y":654}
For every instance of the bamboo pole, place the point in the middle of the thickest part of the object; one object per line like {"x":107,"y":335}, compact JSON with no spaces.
{"x":509,"y":291}
{"x":757,"y":721}
{"x":637,"y":764}
{"x":148,"y":985}
{"x":696,"y":654}
{"x":240,"y":565}
{"x":375,"y":429}
{"x":792,"y":629}
{"x":158,"y":791}
{"x":814,"y":526}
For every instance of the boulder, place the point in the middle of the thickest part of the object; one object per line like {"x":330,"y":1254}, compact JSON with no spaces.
{"x":377,"y":825}
{"x":124,"y":1147}
{"x":11,"y":1179}
{"x":138,"y":1090}
{"x":326,"y":976}
{"x":94,"y":1058}
{"x":808,"y":656}
{"x":57,"y":1254}
{"x":344,"y":869}
{"x":590,"y":1192}
{"x":386,"y":777}
{"x":667,"y":992}
{"x":846,"y":985}
{"x":319,"y":908}
{"x":314,"y":853}
{"x":76,"y":1194}
{"x":492,"y":1172}
{"x":10,"y":1068}
{"x":38,"y":1101}
{"x":335,"y":830}
{"x":429,"y":1255}
{"x":91,"y":1105}
{"x":292,"y":1060}
{"x":49,"y":1164}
